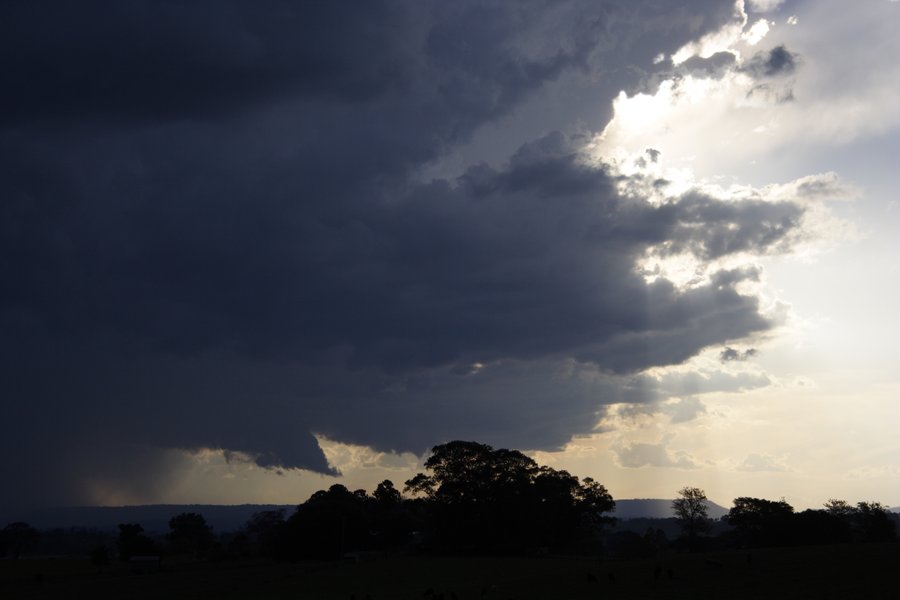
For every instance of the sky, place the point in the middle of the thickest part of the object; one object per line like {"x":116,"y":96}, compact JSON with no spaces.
{"x":250,"y":249}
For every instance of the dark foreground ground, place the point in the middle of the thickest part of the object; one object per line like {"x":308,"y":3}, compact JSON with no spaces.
{"x":851,"y":571}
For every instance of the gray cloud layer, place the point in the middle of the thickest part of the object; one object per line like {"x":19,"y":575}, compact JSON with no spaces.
{"x":213,"y":235}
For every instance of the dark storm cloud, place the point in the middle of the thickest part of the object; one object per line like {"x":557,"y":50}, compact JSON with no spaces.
{"x":212,"y":235}
{"x":139,"y":59}
{"x":489,"y":253}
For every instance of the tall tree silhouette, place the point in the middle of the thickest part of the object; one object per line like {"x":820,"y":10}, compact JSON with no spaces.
{"x":760,"y":522}
{"x":691,"y":511}
{"x":266,"y":531}
{"x":189,"y":534}
{"x":499,"y":500}
{"x":329,"y":524}
{"x":17,"y":538}
{"x":133,"y":542}
{"x":873,"y":522}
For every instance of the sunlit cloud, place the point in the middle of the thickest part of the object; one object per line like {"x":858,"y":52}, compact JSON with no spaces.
{"x":717,"y":41}
{"x":756,"y":32}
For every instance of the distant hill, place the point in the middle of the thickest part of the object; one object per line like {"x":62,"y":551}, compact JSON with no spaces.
{"x":154,"y":518}
{"x":656,"y":508}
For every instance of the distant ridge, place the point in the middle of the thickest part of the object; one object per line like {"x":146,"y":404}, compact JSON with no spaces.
{"x":154,"y":518}
{"x":657,"y":508}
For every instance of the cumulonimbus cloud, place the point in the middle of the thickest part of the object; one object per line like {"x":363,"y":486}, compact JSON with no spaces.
{"x":222,"y":242}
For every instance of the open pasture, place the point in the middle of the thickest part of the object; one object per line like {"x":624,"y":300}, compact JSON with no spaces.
{"x":861,"y":571}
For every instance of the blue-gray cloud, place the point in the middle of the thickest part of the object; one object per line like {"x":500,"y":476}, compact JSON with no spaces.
{"x":731,"y":354}
{"x":777,"y":62}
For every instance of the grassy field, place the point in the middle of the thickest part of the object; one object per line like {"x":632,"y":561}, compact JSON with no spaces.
{"x":860,"y":571}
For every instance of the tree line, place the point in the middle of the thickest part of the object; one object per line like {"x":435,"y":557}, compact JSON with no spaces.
{"x":757,"y":522}
{"x":473,"y":498}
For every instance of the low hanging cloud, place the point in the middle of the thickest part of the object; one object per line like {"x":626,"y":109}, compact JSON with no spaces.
{"x":223,"y":241}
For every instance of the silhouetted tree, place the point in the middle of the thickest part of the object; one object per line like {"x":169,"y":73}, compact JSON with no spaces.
{"x":691,"y":511}
{"x":265,"y":531}
{"x":839,"y":508}
{"x":549,"y":513}
{"x":482,"y":499}
{"x":231,"y":545}
{"x":873,"y":523}
{"x":762,"y":522}
{"x":421,"y":485}
{"x":73,"y":541}
{"x":468,"y":481}
{"x":473,"y":498}
{"x":189,"y":534}
{"x":386,"y":493}
{"x":390,"y":520}
{"x":329,"y":524}
{"x":821,"y":527}
{"x":865,"y":522}
{"x":17,"y":538}
{"x":133,"y":542}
